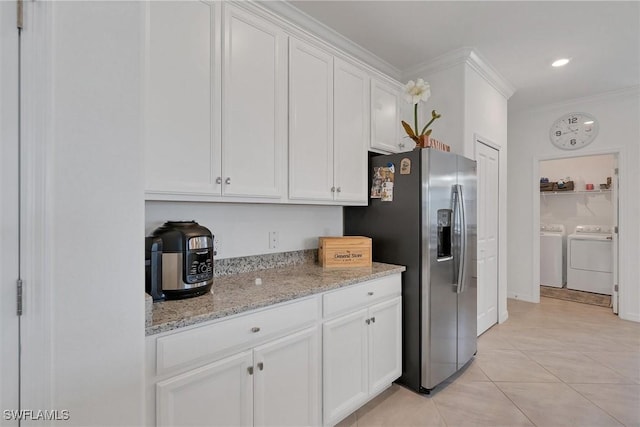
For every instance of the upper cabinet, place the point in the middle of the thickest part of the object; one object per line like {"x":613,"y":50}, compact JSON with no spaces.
{"x":182,"y":141}
{"x":310,"y":122}
{"x":239,"y":109}
{"x":328,"y":127}
{"x":214,"y":133}
{"x":386,"y":128}
{"x":350,"y":132}
{"x":254,"y":106}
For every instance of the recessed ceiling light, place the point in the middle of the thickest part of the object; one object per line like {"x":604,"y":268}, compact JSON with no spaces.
{"x":560,"y":62}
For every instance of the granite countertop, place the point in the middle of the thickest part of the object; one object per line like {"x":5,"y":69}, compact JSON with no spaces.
{"x":237,"y":293}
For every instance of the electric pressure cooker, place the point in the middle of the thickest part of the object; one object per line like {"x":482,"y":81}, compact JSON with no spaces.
{"x":179,"y":260}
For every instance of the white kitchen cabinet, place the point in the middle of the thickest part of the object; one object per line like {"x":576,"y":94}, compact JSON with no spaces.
{"x":387,"y":134}
{"x":258,"y":368}
{"x":310,"y":122}
{"x":328,"y":127}
{"x":254,"y":106}
{"x":350,"y":132}
{"x":218,"y":394}
{"x":287,"y":380}
{"x":214,"y":133}
{"x":362,"y":349}
{"x":182,"y":71}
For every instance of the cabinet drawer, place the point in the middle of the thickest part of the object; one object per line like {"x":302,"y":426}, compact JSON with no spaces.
{"x":355,"y":296}
{"x":187,"y":348}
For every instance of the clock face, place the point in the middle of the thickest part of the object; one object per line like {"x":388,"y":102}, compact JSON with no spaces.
{"x":573,"y":131}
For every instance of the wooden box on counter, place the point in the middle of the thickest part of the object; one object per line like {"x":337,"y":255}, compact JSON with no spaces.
{"x":347,"y":251}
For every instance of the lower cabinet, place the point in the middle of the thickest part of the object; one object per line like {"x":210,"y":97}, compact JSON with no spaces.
{"x":218,"y":394}
{"x":362,"y":355}
{"x":265,"y":367}
{"x":275,"y":384}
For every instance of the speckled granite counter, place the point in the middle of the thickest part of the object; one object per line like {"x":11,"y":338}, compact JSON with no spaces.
{"x":237,"y":293}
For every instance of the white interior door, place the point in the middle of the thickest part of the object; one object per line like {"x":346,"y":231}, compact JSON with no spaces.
{"x":614,"y":200}
{"x":488,"y":164}
{"x":9,"y":357}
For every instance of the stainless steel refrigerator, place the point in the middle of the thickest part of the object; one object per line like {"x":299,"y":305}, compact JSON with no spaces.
{"x":426,"y":220}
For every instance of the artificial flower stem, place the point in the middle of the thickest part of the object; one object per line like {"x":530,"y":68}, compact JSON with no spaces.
{"x":415,"y":116}
{"x":427,"y":125}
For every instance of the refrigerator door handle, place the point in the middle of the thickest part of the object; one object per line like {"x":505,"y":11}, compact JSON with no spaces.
{"x":463,"y":244}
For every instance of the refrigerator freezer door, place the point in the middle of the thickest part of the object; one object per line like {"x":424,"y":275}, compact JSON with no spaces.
{"x":467,"y":299}
{"x":439,"y":298}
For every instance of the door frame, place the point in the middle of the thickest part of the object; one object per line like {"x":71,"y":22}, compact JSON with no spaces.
{"x":619,"y":153}
{"x":503,"y":314}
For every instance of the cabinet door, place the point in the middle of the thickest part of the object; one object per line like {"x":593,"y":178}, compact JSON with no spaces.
{"x":310,"y":122}
{"x":385,"y":344}
{"x":254,"y":106}
{"x":182,"y":145}
{"x":287,"y":381}
{"x":351,"y":132}
{"x":218,"y":394}
{"x":345,"y":365}
{"x":385,"y":116}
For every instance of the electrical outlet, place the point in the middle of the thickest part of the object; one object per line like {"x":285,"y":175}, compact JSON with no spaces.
{"x":273,"y":239}
{"x":216,"y":246}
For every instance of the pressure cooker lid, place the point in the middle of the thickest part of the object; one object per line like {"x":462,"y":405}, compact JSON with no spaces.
{"x":180,"y":235}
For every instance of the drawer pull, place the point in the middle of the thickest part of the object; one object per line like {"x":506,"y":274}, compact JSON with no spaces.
{"x":250,"y":369}
{"x":370,"y":293}
{"x":373,"y":320}
{"x":368,"y":321}
{"x":260,"y":366}
{"x":255,"y":329}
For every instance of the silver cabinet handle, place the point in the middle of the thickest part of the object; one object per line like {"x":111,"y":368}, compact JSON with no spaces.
{"x":368,"y":321}
{"x":260,"y":366}
{"x":333,"y":189}
{"x":339,"y":189}
{"x":219,"y":180}
{"x":250,"y":370}
{"x":373,"y":320}
{"x":227,"y":181}
{"x":370,"y":293}
{"x":255,"y":329}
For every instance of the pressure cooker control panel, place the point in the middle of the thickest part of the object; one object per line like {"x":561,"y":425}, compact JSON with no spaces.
{"x":199,"y":265}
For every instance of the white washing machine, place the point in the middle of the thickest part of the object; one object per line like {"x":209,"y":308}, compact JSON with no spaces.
{"x":590,"y":259}
{"x":552,"y":258}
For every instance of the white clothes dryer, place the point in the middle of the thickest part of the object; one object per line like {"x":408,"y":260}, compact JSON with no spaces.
{"x":590,"y":259}
{"x":552,"y":255}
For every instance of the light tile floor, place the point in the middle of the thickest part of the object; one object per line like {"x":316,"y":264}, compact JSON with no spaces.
{"x":557,"y":363}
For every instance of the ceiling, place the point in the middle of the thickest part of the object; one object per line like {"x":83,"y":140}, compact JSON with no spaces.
{"x":519,"y":39}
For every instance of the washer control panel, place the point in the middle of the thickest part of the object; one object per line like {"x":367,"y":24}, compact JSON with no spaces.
{"x":594,"y":229}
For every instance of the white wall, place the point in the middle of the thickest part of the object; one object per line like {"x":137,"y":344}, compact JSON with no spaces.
{"x":243,"y":229}
{"x":571,"y":209}
{"x":96,"y":213}
{"x":529,"y":143}
{"x":485,"y":118}
{"x":582,"y":170}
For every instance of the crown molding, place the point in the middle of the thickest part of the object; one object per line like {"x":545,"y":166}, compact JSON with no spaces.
{"x":570,"y":103}
{"x":297,"y":17}
{"x":470,"y":57}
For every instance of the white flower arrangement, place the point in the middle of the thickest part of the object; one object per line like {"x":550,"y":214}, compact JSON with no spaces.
{"x":414,"y":93}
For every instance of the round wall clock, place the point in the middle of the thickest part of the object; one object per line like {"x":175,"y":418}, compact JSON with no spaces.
{"x":573,"y":131}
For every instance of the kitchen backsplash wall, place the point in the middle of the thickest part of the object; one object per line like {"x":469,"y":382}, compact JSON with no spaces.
{"x":243,"y":229}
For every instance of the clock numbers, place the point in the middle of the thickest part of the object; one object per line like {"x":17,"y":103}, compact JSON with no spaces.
{"x":558,"y":133}
{"x":573,"y":120}
{"x":573,"y":142}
